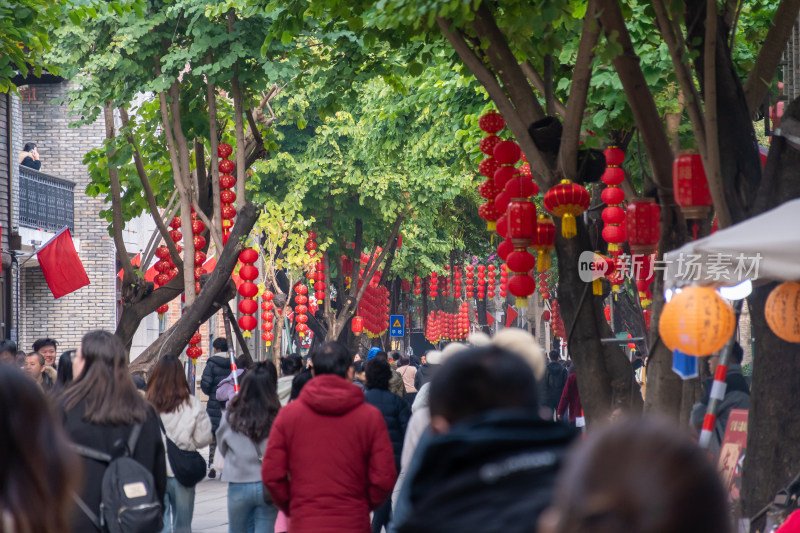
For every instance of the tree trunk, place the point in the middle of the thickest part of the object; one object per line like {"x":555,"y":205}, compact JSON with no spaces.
{"x":208,"y":302}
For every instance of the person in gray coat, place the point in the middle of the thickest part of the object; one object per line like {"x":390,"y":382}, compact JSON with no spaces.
{"x":242,"y":440}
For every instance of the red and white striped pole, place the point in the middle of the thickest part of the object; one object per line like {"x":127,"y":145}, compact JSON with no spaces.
{"x":231,"y":351}
{"x":719,"y":386}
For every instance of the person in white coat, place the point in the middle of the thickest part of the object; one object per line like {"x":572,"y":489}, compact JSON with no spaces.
{"x":187,"y":425}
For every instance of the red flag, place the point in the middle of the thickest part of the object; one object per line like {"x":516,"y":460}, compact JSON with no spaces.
{"x":490,"y":318}
{"x":61,"y":266}
{"x":511,"y":316}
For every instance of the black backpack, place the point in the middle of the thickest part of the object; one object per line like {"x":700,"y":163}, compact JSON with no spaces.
{"x":128,"y":502}
{"x":555,"y":380}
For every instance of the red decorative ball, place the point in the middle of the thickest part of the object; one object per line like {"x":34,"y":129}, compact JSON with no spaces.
{"x":522,"y":285}
{"x":248,"y":289}
{"x":614,"y":234}
{"x":199,"y":257}
{"x":227,"y":197}
{"x":228,"y":212}
{"x":311,"y":246}
{"x":162,"y":252}
{"x":612,"y":195}
{"x":224,"y":150}
{"x":227,"y":181}
{"x":302,"y":328}
{"x":226,"y":166}
{"x":199,"y":242}
{"x":319,"y":295}
{"x":546,"y":316}
{"x":196,"y":338}
{"x":488,"y":211}
{"x":614,"y":215}
{"x":502,"y":176}
{"x":267,"y":337}
{"x":488,"y":143}
{"x":248,"y":322}
{"x":162,"y":266}
{"x":301,"y":289}
{"x":507,"y":153}
{"x":175,"y":235}
{"x":521,"y":261}
{"x":161,"y":279}
{"x":319,"y":286}
{"x":193,"y":352}
{"x":198,"y":227}
{"x":491,"y":122}
{"x":248,"y":272}
{"x":267,"y":296}
{"x":175,"y":223}
{"x":488,"y":189}
{"x":614,"y":156}
{"x":502,"y":200}
{"x":301,"y":299}
{"x":198,"y":271}
{"x":502,"y":226}
{"x":613,"y":176}
{"x":301,"y":319}
{"x":248,"y":255}
{"x":488,"y":167}
{"x":312,"y":235}
{"x":505,"y":248}
{"x":163,"y":309}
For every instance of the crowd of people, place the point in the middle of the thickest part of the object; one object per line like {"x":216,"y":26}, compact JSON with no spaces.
{"x":476,"y":437}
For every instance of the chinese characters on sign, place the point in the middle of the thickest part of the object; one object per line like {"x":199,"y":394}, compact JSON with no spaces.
{"x":719,"y":267}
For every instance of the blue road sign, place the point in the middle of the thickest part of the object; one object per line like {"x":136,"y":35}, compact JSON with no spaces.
{"x":397,"y":325}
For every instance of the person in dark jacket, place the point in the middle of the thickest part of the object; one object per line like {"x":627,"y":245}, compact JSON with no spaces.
{"x":29,"y":156}
{"x":100,"y":410}
{"x":217,"y":368}
{"x":396,"y":413}
{"x":428,"y":369}
{"x":329,"y":461}
{"x":490,"y":462}
{"x":555,"y":378}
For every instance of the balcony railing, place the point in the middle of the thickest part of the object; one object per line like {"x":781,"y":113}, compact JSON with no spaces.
{"x":45,"y":202}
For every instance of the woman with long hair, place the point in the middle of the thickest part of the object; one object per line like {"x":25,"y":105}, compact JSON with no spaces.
{"x":64,"y":374}
{"x":242,"y":439}
{"x":186,"y":423}
{"x":101,"y":410}
{"x":36,"y":462}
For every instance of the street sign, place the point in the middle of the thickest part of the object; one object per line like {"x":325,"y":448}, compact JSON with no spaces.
{"x":397,"y":325}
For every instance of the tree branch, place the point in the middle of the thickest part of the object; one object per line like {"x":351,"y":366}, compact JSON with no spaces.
{"x":238,"y":114}
{"x":676,"y":44}
{"x":148,"y":193}
{"x":129,"y":274}
{"x":762,"y":73}
{"x":211,"y":96}
{"x":516,"y":124}
{"x":506,"y":66}
{"x":538,"y":83}
{"x":169,"y":211}
{"x":576,"y":104}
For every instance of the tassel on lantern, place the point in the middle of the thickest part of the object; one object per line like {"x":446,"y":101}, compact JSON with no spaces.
{"x":543,"y":264}
{"x":567,"y":200}
{"x":597,"y":287}
{"x":569,"y":228}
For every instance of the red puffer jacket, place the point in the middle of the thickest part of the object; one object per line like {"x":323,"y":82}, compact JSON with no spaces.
{"x":329,"y":459}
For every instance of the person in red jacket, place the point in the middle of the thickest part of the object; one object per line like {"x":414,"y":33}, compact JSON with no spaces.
{"x":329,"y":460}
{"x":570,"y":399}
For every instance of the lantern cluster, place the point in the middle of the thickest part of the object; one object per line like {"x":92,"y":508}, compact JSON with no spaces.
{"x":614,"y":196}
{"x":198,"y":227}
{"x":417,"y":286}
{"x":317,"y":277}
{"x":301,"y":309}
{"x":490,"y":280}
{"x":267,"y":317}
{"x":481,"y":282}
{"x":544,"y":285}
{"x":376,"y":277}
{"x":470,"y":281}
{"x":433,"y":285}
{"x":556,"y":321}
{"x":457,"y":278}
{"x":447,"y":283}
{"x":544,"y":242}
{"x":448,"y":327}
{"x":374,"y":310}
{"x":227,"y":181}
{"x":405,"y":285}
{"x":567,"y":200}
{"x":248,"y":291}
{"x":491,"y":123}
{"x":522,"y":230}
{"x":503,"y":280}
{"x":166,"y":270}
{"x":347,"y":268}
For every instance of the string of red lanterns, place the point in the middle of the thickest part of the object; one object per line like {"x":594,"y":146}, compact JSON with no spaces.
{"x":248,"y":290}
{"x":491,"y":123}
{"x":267,"y":317}
{"x":227,"y":181}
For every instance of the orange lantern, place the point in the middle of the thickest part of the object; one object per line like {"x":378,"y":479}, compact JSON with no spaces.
{"x":696,"y":321}
{"x":567,"y":200}
{"x":782,"y":311}
{"x":544,"y":242}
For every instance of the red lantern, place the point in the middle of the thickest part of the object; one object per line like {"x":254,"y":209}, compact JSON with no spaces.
{"x":248,"y":255}
{"x":522,"y":286}
{"x":491,"y":122}
{"x":488,"y":144}
{"x":224,"y":150}
{"x":546,"y":316}
{"x":567,"y":200}
{"x":193,"y":352}
{"x":226,"y":166}
{"x":248,"y":272}
{"x":163,"y":309}
{"x":544,"y":242}
{"x":162,"y":252}
{"x":507,"y":153}
{"x":248,"y":306}
{"x":199,"y":257}
{"x":198,"y":227}
{"x":227,"y":197}
{"x":228,"y":212}
{"x":227,"y":181}
{"x":612,"y":195}
{"x":690,"y":185}
{"x":248,"y":289}
{"x":643,"y":226}
{"x":247,"y":322}
{"x":199,"y":242}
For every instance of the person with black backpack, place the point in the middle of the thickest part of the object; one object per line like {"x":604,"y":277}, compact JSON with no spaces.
{"x":555,"y":377}
{"x":118,"y":435}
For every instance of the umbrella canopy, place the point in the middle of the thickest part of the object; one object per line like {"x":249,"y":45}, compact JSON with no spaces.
{"x":763,"y":248}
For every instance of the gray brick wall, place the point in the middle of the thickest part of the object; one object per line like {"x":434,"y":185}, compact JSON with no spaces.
{"x":62,"y":149}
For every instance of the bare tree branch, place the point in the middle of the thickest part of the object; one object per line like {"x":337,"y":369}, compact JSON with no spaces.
{"x":711,"y":160}
{"x":211,"y":96}
{"x":238,"y":114}
{"x":515,"y":123}
{"x":576,"y":104}
{"x":762,"y":73}
{"x":129,"y":273}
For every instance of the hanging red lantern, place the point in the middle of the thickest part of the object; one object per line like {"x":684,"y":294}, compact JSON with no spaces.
{"x":643,"y":226}
{"x":193,"y":352}
{"x":567,"y":200}
{"x":226,"y":166}
{"x":357,"y":325}
{"x":614,"y":215}
{"x":690,"y":185}
{"x":544,"y":242}
{"x":491,"y":122}
{"x":224,"y":150}
{"x":227,"y":181}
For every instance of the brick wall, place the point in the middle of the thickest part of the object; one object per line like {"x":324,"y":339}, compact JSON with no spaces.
{"x":62,"y":149}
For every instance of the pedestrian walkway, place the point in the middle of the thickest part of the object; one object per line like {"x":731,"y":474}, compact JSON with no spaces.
{"x":210,"y":507}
